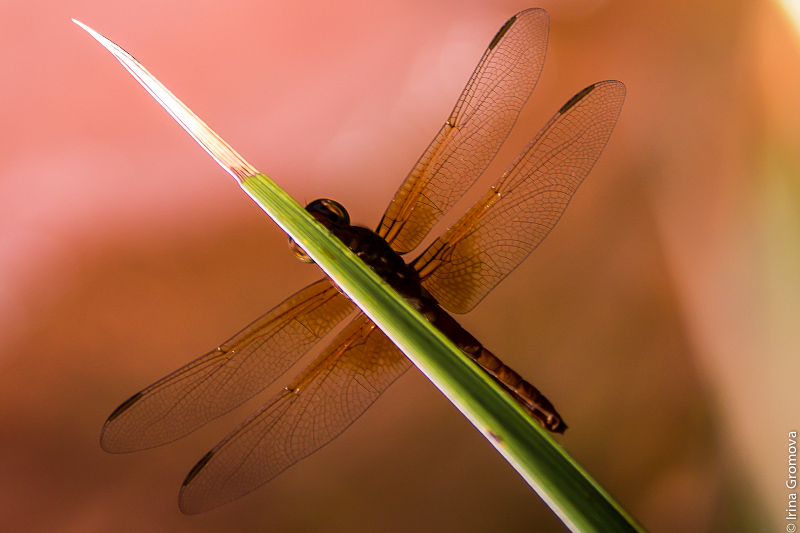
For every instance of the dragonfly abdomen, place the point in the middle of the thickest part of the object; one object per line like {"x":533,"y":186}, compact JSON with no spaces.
{"x":526,"y":394}
{"x":523,"y":392}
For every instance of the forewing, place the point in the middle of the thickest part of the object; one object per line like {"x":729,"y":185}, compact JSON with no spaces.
{"x":501,"y":230}
{"x":224,"y":378}
{"x":478,"y":125}
{"x":322,"y":402}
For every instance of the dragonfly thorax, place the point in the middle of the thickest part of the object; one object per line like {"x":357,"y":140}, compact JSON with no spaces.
{"x":369,"y":247}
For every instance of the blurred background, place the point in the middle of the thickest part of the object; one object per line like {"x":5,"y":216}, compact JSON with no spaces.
{"x":660,"y":316}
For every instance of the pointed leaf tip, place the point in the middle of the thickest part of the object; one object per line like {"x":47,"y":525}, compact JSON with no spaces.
{"x":212,"y":143}
{"x":89,"y":30}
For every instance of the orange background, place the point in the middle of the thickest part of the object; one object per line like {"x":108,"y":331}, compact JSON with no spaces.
{"x":660,"y":317}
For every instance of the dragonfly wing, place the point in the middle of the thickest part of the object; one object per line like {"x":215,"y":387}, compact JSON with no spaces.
{"x":481,"y":120}
{"x":501,"y":230}
{"x":320,"y":404}
{"x":224,"y":378}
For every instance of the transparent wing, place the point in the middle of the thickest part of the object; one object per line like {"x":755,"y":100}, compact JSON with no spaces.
{"x":468,"y":141}
{"x":224,"y":378}
{"x":501,"y":230}
{"x":318,"y":406}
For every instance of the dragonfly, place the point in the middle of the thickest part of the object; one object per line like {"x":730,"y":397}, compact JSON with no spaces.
{"x":452,"y":275}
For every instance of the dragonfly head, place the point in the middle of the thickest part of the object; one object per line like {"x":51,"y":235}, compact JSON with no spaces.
{"x":331,"y":214}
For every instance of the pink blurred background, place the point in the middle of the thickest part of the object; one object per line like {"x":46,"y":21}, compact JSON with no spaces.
{"x":661,"y":316}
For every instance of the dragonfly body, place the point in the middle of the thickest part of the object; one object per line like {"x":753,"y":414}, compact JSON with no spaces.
{"x":452,"y":275}
{"x":378,"y":254}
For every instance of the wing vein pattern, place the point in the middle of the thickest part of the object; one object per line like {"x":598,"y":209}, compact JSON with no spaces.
{"x":518,"y":212}
{"x":224,"y":378}
{"x":478,"y":125}
{"x":328,"y":396}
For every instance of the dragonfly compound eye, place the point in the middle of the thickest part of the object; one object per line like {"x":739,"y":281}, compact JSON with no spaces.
{"x":331,"y":211}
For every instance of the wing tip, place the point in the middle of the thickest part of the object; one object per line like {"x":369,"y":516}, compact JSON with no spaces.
{"x":107,"y":442}
{"x":197,"y":468}
{"x":124,"y":406}
{"x":610,"y":84}
{"x":499,"y":35}
{"x":537,"y":11}
{"x":187,"y":504}
{"x":577,"y":98}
